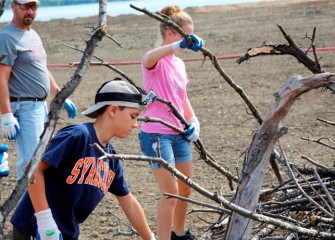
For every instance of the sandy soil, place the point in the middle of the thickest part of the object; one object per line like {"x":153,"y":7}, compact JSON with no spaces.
{"x":226,"y":126}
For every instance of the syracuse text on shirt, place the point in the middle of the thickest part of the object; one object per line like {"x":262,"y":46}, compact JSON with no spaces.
{"x":99,"y":173}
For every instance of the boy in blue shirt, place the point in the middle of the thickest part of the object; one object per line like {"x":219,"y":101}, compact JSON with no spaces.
{"x":71,"y":179}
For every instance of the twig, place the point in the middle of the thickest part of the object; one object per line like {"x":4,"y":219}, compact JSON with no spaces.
{"x":303,"y":192}
{"x":325,"y":121}
{"x":283,"y":49}
{"x":106,"y":64}
{"x":330,"y":198}
{"x":319,"y":141}
{"x":210,"y":206}
{"x":158,"y":120}
{"x":265,"y":231}
{"x":132,"y":230}
{"x":313,"y":162}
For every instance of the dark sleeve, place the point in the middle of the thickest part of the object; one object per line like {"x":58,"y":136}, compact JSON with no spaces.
{"x":62,"y":146}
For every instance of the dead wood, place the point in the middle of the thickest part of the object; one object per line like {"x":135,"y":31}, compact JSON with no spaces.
{"x":226,"y":204}
{"x":283,"y":49}
{"x":262,"y":146}
{"x":283,"y":207}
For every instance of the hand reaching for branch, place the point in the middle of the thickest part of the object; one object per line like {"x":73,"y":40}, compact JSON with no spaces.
{"x":196,"y":44}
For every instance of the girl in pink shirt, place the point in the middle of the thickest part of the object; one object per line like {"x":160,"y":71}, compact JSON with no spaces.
{"x":165,"y":74}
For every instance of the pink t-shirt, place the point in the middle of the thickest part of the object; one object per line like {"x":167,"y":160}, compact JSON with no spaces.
{"x":168,"y":79}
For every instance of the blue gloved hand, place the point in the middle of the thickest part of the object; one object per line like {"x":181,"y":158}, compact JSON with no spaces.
{"x":46,"y":226}
{"x":70,"y":108}
{"x":10,"y":126}
{"x":195,"y":46}
{"x":193,"y":131}
{"x":4,"y":169}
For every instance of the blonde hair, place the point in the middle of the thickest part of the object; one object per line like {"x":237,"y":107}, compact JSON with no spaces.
{"x":176,"y":15}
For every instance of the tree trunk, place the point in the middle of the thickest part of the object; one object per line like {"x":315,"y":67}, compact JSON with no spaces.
{"x":261,"y":148}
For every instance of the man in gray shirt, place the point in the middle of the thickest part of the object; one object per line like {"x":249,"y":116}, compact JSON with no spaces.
{"x":25,"y":82}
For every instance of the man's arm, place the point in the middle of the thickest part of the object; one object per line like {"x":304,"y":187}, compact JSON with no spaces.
{"x":135,"y":215}
{"x":54,"y":89}
{"x":9,"y":125}
{"x":4,"y":90}
{"x":68,"y":104}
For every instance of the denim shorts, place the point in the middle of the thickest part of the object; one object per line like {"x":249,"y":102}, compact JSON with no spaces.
{"x":173,"y":148}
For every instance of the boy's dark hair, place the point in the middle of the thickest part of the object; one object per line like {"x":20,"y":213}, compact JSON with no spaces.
{"x":103,"y":109}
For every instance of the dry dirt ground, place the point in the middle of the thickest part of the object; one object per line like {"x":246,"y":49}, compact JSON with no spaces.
{"x":226,"y":126}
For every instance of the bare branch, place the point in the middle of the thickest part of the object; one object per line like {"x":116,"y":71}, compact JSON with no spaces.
{"x":262,"y":146}
{"x":211,"y":56}
{"x":325,"y":121}
{"x":330,"y":144}
{"x":283,"y":49}
{"x":324,"y":188}
{"x":158,"y":120}
{"x":313,"y":162}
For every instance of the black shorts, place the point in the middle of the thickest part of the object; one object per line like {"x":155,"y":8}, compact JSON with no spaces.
{"x":20,"y":235}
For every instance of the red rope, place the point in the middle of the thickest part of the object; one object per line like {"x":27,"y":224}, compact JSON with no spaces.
{"x":185,"y":60}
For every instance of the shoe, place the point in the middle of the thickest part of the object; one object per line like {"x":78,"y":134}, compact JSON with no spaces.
{"x":187,"y":236}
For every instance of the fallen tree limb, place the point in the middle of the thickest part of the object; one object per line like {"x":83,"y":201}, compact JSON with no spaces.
{"x":219,"y":199}
{"x":283,"y":49}
{"x":262,"y":146}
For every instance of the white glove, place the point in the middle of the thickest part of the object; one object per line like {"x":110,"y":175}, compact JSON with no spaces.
{"x":10,"y":126}
{"x":46,"y":226}
{"x":193,"y":131}
{"x":152,"y":236}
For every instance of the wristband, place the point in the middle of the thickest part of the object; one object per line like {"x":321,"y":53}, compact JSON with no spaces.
{"x":176,"y":46}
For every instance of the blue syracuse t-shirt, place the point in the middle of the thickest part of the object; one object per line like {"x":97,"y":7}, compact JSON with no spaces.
{"x":76,"y":183}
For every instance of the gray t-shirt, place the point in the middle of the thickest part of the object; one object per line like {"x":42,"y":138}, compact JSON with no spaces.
{"x":27,"y":57}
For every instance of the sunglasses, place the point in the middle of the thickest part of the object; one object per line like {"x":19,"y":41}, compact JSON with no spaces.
{"x":27,"y":6}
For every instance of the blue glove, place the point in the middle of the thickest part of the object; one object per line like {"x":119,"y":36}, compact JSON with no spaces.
{"x":193,"y":131}
{"x":195,"y":46}
{"x":3,"y":148}
{"x":10,"y":126}
{"x":46,"y":226}
{"x":4,"y":169}
{"x":70,"y":108}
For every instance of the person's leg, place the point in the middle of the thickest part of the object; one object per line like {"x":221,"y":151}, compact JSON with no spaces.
{"x":167,"y":183}
{"x":183,"y":157}
{"x":180,"y":211}
{"x":31,"y":117}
